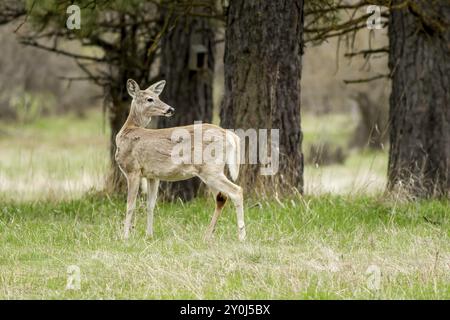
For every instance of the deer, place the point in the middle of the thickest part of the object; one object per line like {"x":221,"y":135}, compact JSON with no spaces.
{"x":147,"y":153}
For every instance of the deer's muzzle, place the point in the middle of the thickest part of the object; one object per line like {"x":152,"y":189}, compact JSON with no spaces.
{"x":169,"y":112}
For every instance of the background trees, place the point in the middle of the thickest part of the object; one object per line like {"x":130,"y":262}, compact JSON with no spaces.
{"x":122,"y":40}
{"x":419,"y":60}
{"x":187,"y":64}
{"x":263,"y":48}
{"x":419,"y":63}
{"x":148,"y":40}
{"x":119,"y":40}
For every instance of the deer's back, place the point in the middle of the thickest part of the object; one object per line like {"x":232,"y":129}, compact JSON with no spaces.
{"x":150,"y":151}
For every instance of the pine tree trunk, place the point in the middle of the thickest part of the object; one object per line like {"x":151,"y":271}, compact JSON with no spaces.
{"x":189,"y":76}
{"x":263,"y":48}
{"x":118,"y":113}
{"x":419,"y":60}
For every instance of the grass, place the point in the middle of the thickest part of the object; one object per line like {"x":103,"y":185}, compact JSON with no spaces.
{"x":54,"y":157}
{"x":322,"y":246}
{"x":334,"y":128}
{"x":312,"y":248}
{"x":363,"y":171}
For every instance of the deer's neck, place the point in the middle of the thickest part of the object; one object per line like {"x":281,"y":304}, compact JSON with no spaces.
{"x":135,"y":119}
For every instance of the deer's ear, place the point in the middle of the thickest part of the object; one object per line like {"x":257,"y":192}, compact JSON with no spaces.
{"x":132,"y":87}
{"x":157,"y":87}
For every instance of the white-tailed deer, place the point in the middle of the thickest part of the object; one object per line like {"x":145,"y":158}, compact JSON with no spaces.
{"x":147,"y":153}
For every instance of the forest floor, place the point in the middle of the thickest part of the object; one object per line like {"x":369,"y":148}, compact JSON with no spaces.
{"x":322,"y":247}
{"x":343,"y":240}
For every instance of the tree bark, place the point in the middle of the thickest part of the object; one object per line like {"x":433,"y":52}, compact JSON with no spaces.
{"x":419,"y":60}
{"x":263,"y":48}
{"x":189,"y":85}
{"x":118,"y":113}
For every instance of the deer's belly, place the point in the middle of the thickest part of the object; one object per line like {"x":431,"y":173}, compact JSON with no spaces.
{"x":178,"y":178}
{"x":171,"y":173}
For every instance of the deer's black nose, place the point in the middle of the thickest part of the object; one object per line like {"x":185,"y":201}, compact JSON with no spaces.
{"x":170,"y":111}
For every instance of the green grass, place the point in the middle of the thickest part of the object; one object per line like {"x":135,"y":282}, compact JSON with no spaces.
{"x":317,"y":247}
{"x":54,"y":157}
{"x":312,"y":248}
{"x":363,"y":171}
{"x":333,"y":128}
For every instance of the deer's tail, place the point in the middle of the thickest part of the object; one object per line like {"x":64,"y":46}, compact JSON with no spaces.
{"x":233,"y":154}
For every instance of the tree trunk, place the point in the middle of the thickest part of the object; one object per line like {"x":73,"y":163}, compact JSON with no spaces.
{"x":118,"y":113}
{"x":263,"y":48}
{"x":187,"y":64}
{"x":419,"y":60}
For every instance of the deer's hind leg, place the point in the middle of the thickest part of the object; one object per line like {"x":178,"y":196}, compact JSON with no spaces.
{"x":232,"y":191}
{"x":220,"y":203}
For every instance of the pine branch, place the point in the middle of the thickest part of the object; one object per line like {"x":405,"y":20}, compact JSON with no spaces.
{"x":377,"y":77}
{"x":365,"y":53}
{"x":32,"y":43}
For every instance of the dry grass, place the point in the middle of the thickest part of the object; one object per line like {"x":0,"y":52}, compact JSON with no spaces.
{"x":53,"y":158}
{"x":313,"y":248}
{"x":317,"y":247}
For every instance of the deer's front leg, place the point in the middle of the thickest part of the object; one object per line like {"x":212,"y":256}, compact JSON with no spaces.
{"x":152,"y":194}
{"x":133,"y":188}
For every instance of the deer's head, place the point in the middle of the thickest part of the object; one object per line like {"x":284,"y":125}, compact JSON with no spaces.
{"x":146,"y":103}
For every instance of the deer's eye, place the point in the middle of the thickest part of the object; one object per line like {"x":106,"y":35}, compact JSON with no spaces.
{"x":150,"y":100}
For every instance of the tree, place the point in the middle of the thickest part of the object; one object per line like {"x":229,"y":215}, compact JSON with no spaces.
{"x":263,"y":48}
{"x":419,"y":121}
{"x":419,"y":60}
{"x":122,"y":40}
{"x":187,"y":64}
